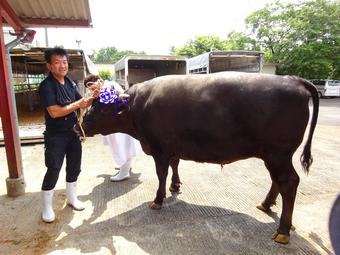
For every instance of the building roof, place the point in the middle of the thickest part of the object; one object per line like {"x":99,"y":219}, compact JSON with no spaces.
{"x":52,"y":13}
{"x":33,"y":62}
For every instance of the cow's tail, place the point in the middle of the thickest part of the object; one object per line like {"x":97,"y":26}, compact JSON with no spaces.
{"x":306,"y":158}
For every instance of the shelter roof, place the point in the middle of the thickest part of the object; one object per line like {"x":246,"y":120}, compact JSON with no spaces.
{"x":33,"y":61}
{"x":52,"y":13}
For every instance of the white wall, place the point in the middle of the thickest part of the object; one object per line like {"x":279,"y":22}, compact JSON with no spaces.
{"x":268,"y":68}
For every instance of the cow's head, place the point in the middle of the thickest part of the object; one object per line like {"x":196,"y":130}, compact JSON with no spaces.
{"x":105,"y":115}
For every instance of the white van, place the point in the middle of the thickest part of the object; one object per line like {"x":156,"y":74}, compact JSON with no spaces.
{"x":332,"y":88}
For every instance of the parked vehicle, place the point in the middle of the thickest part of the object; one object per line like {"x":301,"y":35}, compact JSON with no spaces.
{"x":218,"y":61}
{"x":320,"y":85}
{"x":332,"y":88}
{"x":133,"y":69}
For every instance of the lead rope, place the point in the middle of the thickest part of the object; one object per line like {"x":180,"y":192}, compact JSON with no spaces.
{"x":82,"y":111}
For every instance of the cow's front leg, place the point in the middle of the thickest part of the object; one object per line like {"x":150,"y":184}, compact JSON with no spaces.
{"x":162,"y":166}
{"x":175,"y":181}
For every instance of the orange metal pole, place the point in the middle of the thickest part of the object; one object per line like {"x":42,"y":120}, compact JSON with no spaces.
{"x":9,"y":123}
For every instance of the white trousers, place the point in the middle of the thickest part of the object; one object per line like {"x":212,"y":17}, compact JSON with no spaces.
{"x":123,"y":147}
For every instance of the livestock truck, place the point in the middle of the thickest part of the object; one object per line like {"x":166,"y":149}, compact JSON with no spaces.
{"x":133,"y":69}
{"x":218,"y":61}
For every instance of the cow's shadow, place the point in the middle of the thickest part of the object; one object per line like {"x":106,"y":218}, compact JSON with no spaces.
{"x":181,"y":228}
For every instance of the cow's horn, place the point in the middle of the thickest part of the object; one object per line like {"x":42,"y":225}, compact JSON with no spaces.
{"x":123,"y":96}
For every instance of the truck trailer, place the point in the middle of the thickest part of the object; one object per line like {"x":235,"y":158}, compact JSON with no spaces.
{"x":218,"y":61}
{"x":133,"y":69}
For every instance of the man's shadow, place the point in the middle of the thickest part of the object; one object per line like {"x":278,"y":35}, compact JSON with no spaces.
{"x":21,"y":223}
{"x":108,"y":191}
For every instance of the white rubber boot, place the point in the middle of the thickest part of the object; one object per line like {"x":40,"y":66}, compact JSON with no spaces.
{"x":124,"y":172}
{"x":47,"y":213}
{"x":71,"y":195}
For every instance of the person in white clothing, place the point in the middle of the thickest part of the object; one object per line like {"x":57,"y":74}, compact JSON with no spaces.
{"x":123,"y":147}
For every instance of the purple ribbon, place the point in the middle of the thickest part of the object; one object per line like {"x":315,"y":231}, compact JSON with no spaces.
{"x":110,"y":96}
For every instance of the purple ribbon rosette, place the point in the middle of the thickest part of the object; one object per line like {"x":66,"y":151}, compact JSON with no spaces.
{"x":108,"y":96}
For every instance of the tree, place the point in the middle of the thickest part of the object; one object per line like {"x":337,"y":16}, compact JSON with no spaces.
{"x":199,"y":45}
{"x":105,"y":74}
{"x":240,"y":41}
{"x":303,"y":38}
{"x":106,"y":55}
{"x":112,"y":55}
{"x":203,"y":43}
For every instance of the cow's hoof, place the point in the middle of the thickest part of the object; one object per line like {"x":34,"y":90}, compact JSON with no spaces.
{"x":262,"y":208}
{"x":280,"y":238}
{"x":175,"y":188}
{"x":155,"y":206}
{"x":265,"y":209}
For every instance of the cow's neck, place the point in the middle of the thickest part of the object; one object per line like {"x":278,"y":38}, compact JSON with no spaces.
{"x":127,"y":125}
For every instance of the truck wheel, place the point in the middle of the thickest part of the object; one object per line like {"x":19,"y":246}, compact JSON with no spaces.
{"x":320,"y":94}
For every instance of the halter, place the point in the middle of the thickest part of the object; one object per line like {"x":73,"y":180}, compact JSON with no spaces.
{"x":106,"y":96}
{"x":92,"y":86}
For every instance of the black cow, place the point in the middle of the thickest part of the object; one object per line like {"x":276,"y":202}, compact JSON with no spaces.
{"x":218,"y":118}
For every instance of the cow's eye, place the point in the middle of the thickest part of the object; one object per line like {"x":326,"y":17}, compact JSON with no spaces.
{"x":105,"y":110}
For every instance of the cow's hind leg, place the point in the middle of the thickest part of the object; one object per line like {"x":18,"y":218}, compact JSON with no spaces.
{"x":175,"y":181}
{"x":162,"y":166}
{"x":284,"y":175}
{"x":270,"y":199}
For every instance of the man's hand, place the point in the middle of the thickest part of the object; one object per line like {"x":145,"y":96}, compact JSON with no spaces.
{"x":83,"y":103}
{"x":94,"y":90}
{"x":95,"y":93}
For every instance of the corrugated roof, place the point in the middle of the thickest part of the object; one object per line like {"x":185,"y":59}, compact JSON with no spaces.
{"x":49,"y":13}
{"x":33,"y":61}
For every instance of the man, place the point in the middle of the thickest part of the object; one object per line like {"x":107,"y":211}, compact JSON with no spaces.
{"x":123,"y":147}
{"x":60,"y":99}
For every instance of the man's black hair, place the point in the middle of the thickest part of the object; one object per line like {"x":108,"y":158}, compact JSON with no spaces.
{"x":55,"y":51}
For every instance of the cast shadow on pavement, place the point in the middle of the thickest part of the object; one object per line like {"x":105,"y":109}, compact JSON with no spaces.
{"x":108,"y":191}
{"x":22,"y":230}
{"x":181,"y":228}
{"x":178,"y":228}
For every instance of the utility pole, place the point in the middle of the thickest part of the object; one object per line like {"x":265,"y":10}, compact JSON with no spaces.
{"x":78,"y":42}
{"x":46,"y":37}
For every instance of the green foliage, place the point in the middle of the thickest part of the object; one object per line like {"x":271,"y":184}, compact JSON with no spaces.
{"x":240,"y":41}
{"x":106,"y":74}
{"x":106,"y":55}
{"x":303,"y":38}
{"x":202,"y":44}
{"x":111,"y":55}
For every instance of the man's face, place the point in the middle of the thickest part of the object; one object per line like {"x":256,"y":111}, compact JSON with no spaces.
{"x":58,"y":65}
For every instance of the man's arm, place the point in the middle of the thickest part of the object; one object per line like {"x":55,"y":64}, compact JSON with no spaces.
{"x":56,"y":111}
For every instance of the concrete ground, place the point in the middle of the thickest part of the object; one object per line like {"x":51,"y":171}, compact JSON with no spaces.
{"x":214,"y":214}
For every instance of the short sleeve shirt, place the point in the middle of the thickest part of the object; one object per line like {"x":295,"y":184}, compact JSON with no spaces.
{"x":51,"y":92}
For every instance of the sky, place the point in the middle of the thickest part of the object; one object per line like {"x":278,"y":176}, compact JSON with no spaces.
{"x":152,"y":26}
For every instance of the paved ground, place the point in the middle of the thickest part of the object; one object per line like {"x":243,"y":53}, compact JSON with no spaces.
{"x":215,"y":213}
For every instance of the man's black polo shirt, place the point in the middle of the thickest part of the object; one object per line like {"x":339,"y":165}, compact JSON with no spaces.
{"x":51,"y":92}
